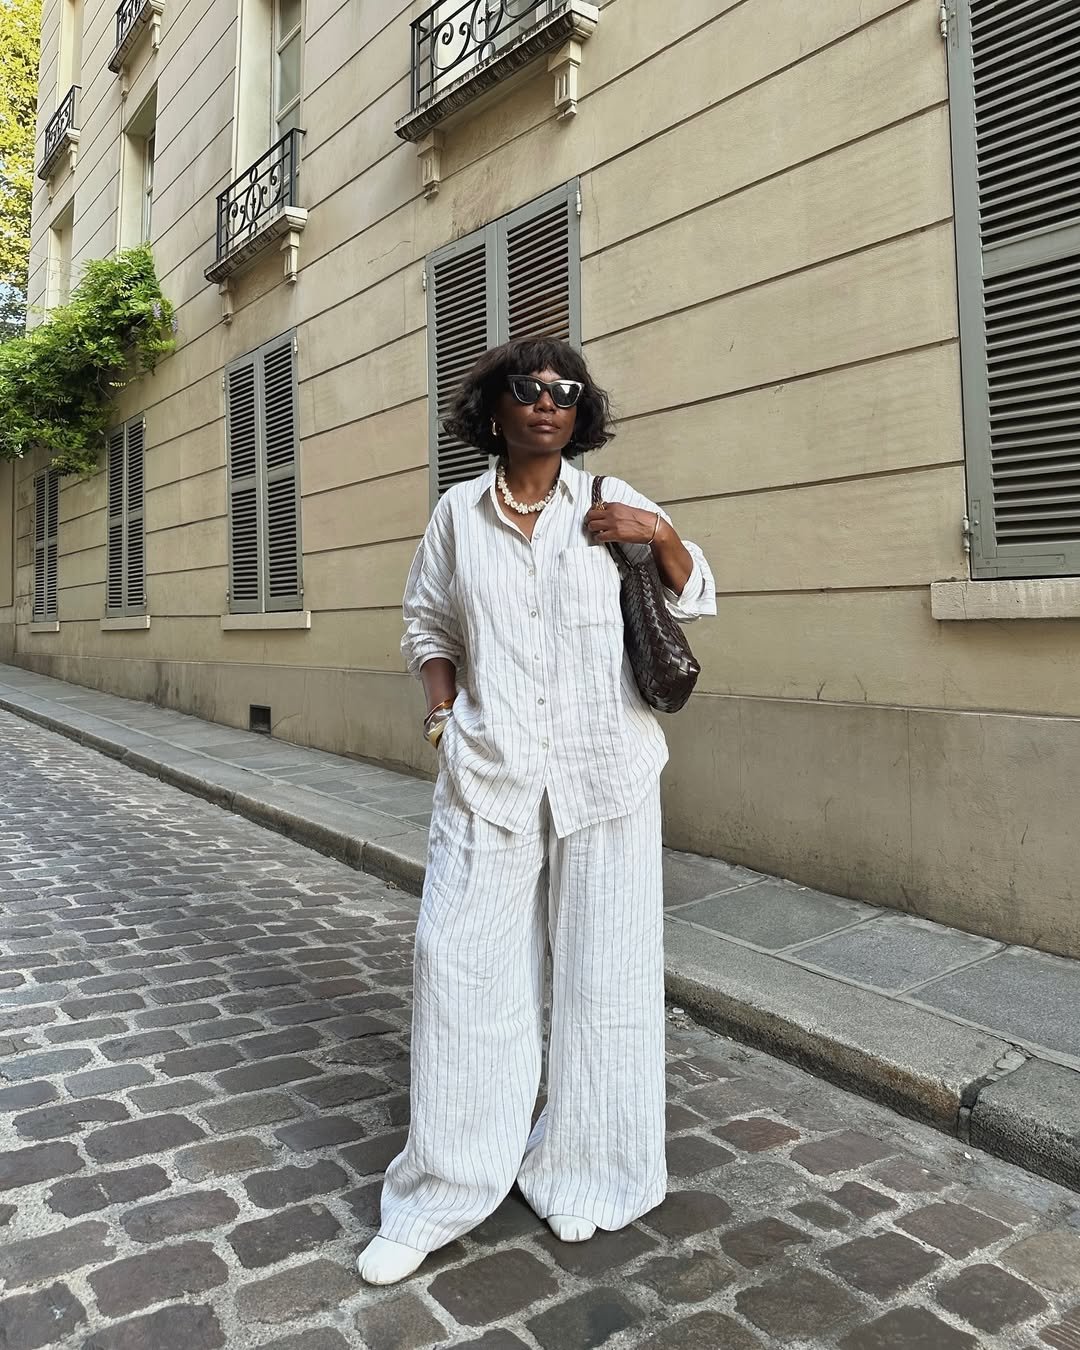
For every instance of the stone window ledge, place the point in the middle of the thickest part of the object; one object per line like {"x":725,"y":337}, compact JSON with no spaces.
{"x":286,"y":619}
{"x":287,"y":225}
{"x":1041,"y":598}
{"x":126,"y":623}
{"x":67,"y":144}
{"x":45,"y":626}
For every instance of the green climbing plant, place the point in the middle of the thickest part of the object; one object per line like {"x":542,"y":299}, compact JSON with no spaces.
{"x":57,"y":383}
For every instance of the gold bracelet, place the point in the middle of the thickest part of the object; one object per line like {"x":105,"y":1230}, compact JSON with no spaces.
{"x":434,"y":734}
{"x":446,"y":703}
{"x":435,"y":722}
{"x":656,"y":526}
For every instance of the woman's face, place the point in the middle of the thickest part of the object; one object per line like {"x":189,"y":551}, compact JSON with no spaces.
{"x":535,"y":428}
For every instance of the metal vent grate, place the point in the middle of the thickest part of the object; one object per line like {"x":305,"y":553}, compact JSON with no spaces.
{"x":259,"y":718}
{"x":1033,"y":357}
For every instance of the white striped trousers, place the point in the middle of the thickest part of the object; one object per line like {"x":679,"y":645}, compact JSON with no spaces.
{"x":492,"y":902}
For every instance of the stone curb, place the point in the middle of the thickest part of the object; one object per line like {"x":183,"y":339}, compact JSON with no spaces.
{"x":965,"y":1082}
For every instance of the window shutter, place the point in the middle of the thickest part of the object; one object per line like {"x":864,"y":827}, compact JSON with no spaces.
{"x":518,"y":277}
{"x":1016,"y":125}
{"x":39,"y":607}
{"x":539,"y":269}
{"x":114,"y":569}
{"x":461,"y":328}
{"x":51,"y":548}
{"x":135,"y":578}
{"x":281,"y":582}
{"x":46,"y":513}
{"x":262,"y":432}
{"x":51,"y":554}
{"x":241,"y":436}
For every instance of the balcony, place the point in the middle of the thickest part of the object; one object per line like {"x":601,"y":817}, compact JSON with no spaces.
{"x":61,"y":135}
{"x":133,"y":19}
{"x":258,"y":209}
{"x":466,"y":53}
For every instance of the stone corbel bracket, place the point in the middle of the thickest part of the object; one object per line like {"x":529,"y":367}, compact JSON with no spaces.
{"x":559,"y":37}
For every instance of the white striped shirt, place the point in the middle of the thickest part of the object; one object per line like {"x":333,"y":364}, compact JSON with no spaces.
{"x":546,"y":697}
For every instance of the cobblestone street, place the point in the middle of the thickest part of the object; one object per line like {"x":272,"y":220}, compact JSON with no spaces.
{"x":204,"y":1068}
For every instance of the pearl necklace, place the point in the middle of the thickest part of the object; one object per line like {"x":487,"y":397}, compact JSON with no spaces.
{"x":526,"y":508}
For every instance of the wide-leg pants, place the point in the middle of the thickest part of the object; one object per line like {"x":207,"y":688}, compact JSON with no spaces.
{"x":493,"y":901}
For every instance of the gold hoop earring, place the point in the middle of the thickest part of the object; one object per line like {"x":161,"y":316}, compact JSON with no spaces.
{"x":494,"y":429}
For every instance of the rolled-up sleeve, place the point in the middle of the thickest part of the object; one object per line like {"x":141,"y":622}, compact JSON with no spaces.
{"x":432,"y":628}
{"x":697,"y":599}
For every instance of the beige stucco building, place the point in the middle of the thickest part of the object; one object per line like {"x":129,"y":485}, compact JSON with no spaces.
{"x":747,"y":219}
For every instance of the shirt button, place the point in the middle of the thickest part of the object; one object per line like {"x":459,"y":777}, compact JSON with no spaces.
{"x":543,"y":745}
{"x":532,"y":613}
{"x":532,"y":571}
{"x":540,"y":701}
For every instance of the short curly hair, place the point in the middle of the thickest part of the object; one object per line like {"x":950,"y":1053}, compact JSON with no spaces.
{"x":470,"y":415}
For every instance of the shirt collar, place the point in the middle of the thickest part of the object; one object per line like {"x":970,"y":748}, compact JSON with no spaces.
{"x":572,"y":481}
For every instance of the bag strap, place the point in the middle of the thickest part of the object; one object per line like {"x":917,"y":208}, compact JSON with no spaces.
{"x":616,"y":550}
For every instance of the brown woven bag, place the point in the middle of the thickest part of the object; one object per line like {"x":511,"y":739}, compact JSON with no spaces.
{"x":664,"y":667}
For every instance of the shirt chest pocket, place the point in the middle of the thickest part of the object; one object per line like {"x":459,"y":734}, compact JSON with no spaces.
{"x":587,"y":589}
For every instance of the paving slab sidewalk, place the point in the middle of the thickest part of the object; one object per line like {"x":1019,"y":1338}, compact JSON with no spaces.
{"x":973,"y":1036}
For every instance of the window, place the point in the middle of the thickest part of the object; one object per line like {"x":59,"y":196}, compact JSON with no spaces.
{"x":137,"y":185}
{"x":264,"y":480}
{"x":46,"y":513}
{"x":1016,"y":124}
{"x":125,"y":587}
{"x":147,"y":186}
{"x":69,"y":57}
{"x":288,"y":60}
{"x":269,"y":79}
{"x":516,"y":277}
{"x":58,"y":287}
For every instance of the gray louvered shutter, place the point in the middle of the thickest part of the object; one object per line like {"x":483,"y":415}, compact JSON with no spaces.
{"x":135,"y":538}
{"x":281,"y":585}
{"x":52,"y":513}
{"x":38,"y":609}
{"x":242,"y":440}
{"x":517,"y":277}
{"x":539,"y":269}
{"x":1015,"y":104}
{"x":461,"y":327}
{"x":114,"y":568}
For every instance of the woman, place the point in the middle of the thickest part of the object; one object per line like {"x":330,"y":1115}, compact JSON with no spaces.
{"x":545,"y":830}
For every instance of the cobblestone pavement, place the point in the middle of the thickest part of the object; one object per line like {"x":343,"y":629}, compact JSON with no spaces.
{"x":203,"y":1068}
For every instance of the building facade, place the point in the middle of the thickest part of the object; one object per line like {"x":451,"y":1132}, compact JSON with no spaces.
{"x":832,"y":307}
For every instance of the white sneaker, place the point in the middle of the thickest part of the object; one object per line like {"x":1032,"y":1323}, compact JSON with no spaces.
{"x":386,"y":1262}
{"x":569,"y":1229}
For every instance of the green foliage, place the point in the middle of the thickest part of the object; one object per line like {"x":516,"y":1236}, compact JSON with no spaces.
{"x":19,"y":38}
{"x":57,"y":383}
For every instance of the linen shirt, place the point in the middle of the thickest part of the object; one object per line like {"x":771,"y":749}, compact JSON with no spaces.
{"x":546,"y":697}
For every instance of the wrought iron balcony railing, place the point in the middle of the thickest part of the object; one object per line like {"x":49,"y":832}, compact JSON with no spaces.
{"x":464,"y":50}
{"x":258,"y":207}
{"x":127,"y":16}
{"x":451,"y":39}
{"x":133,"y":18}
{"x":61,"y":132}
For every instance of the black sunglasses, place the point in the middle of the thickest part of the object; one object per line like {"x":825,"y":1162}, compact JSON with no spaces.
{"x":527,"y":389}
